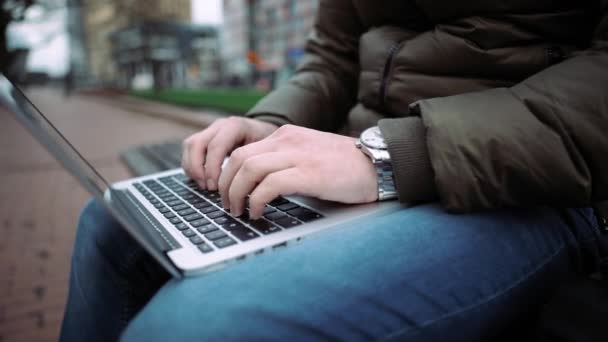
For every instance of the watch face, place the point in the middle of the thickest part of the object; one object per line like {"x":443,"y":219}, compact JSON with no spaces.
{"x":372,"y":137}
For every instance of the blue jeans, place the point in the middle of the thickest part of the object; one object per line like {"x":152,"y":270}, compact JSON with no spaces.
{"x":418,"y":274}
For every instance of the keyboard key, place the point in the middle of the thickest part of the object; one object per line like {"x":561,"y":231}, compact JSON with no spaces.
{"x":216,"y":200}
{"x":175,"y":202}
{"x":196,"y":240}
{"x":304,"y":214}
{"x":216,"y":214}
{"x":188,"y":232}
{"x":275,"y":216}
{"x":268,"y":210}
{"x":212,"y":195}
{"x":161,"y":192}
{"x":169,"y":198}
{"x":207,"y":228}
{"x":224,"y":242}
{"x":180,"y":207}
{"x":202,"y":205}
{"x":278,"y":201}
{"x":186,"y":212}
{"x":288,"y":222}
{"x":159,"y":205}
{"x":175,"y":220}
{"x":298,"y":211}
{"x":193,"y":217}
{"x":209,"y":210}
{"x":205,"y":248}
{"x":310,"y":216}
{"x":230,"y":225}
{"x":287,"y":206}
{"x":244,"y":234}
{"x":264,"y":226}
{"x":188,"y":196}
{"x":164,"y":210}
{"x":169,"y":215}
{"x":245,"y":216}
{"x":181,"y":226}
{"x":195,"y":200}
{"x":223,"y":219}
{"x":214,"y":235}
{"x":198,"y":223}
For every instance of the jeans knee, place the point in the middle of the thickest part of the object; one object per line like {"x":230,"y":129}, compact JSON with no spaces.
{"x":98,"y":233}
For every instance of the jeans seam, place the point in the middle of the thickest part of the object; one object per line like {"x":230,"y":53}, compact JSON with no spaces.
{"x":480,"y":303}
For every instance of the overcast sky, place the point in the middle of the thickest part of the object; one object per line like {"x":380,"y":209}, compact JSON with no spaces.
{"x":49,"y":42}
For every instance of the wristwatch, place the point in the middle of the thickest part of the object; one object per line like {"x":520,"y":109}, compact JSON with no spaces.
{"x":371,"y":142}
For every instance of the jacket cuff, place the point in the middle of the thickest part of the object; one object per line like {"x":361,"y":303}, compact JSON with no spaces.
{"x":406,"y":140}
{"x":270,"y":118}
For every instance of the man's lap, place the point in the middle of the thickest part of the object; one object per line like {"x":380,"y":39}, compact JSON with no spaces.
{"x":417,"y":273}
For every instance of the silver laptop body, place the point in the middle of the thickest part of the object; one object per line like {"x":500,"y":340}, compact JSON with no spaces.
{"x":195,"y":247}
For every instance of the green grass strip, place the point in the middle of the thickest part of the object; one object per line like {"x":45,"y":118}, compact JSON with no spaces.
{"x":236,"y":101}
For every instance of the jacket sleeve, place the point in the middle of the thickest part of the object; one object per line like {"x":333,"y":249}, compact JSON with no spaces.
{"x":543,"y":141}
{"x":324,"y":87}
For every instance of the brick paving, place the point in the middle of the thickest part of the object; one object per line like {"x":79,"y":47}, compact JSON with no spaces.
{"x":40,"y":202}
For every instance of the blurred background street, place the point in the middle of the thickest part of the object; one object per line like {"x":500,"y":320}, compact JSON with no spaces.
{"x":117,"y":78}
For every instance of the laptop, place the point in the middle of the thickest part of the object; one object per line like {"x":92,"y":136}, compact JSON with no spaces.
{"x":183,"y":227}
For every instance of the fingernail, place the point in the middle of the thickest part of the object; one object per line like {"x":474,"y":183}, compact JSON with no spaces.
{"x":210,"y":184}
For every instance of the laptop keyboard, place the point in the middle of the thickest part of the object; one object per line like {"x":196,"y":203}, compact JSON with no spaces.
{"x":199,"y":215}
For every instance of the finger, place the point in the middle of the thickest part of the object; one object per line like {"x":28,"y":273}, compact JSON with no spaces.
{"x":282,"y":183}
{"x":218,"y":148}
{"x":185,"y":153}
{"x":253,"y":171}
{"x":186,"y":148}
{"x":196,"y":155}
{"x":235,"y":162}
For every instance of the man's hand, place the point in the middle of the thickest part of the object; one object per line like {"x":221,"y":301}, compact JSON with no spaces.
{"x":204,"y":152}
{"x":296,"y":160}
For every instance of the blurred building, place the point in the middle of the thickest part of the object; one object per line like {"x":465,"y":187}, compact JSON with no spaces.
{"x":78,"y":64}
{"x":235,"y":38}
{"x":102,"y":18}
{"x":165,"y":54}
{"x":263,"y":40}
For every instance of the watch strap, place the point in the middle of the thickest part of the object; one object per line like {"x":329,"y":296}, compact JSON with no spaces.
{"x":386,"y":180}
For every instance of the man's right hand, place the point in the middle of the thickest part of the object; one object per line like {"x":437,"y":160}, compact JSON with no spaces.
{"x":204,"y":152}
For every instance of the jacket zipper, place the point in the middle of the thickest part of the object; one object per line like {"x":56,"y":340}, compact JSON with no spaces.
{"x":387,"y":68}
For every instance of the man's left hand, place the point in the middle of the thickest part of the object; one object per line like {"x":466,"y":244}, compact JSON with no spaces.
{"x":297,"y":160}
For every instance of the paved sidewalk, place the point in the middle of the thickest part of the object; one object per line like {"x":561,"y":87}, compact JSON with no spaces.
{"x":188,"y":116}
{"x":40,"y":202}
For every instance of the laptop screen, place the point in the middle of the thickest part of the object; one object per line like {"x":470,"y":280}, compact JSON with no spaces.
{"x":40,"y":127}
{"x":48,"y":135}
